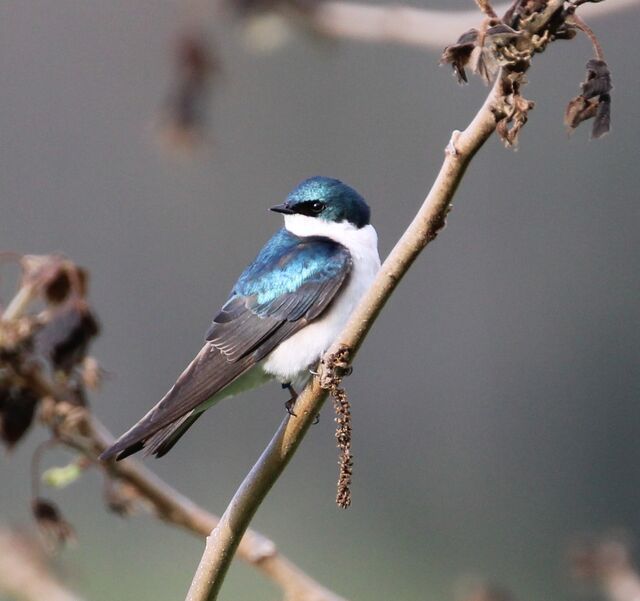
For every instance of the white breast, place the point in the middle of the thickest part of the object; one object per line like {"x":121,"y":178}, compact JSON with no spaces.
{"x":297,"y":354}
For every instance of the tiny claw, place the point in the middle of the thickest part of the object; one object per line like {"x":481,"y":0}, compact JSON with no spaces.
{"x":291,"y":402}
{"x":289,"y":407}
{"x":316,"y":420}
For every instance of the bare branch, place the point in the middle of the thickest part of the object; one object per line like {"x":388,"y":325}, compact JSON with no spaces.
{"x":412,"y":26}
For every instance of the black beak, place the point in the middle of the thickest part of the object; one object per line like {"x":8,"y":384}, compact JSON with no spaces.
{"x":283,"y":208}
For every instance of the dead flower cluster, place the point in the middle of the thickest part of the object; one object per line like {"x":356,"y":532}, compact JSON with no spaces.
{"x":507,"y":45}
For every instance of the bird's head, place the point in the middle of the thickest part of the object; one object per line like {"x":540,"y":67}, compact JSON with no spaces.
{"x":327,"y":199}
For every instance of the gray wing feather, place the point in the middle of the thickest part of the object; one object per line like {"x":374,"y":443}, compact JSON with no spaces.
{"x":242,"y":334}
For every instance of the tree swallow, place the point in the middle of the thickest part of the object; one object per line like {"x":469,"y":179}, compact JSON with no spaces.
{"x":284,"y":311}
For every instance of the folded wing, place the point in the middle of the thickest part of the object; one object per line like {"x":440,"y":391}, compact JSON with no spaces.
{"x":291,"y":282}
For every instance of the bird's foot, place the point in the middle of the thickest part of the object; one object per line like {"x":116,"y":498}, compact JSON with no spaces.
{"x":289,"y":407}
{"x":316,"y":420}
{"x":292,"y":401}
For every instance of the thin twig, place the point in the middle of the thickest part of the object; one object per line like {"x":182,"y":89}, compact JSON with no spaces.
{"x":486,"y":8}
{"x":582,"y":26}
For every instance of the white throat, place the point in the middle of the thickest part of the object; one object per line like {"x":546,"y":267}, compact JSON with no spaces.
{"x":355,"y":239}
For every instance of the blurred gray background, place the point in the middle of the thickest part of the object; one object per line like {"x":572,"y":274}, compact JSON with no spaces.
{"x":495,"y":402}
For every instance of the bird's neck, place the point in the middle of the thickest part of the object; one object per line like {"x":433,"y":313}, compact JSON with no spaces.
{"x":357,"y":240}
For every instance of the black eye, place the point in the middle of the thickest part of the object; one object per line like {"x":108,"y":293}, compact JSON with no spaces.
{"x":311,"y":208}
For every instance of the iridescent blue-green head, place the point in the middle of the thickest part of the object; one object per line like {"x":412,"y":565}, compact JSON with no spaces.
{"x":327,"y":199}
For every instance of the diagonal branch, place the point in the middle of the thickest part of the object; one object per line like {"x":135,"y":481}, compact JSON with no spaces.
{"x":224,"y":539}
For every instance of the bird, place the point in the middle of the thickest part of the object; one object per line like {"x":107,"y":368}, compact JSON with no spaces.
{"x":286,"y":309}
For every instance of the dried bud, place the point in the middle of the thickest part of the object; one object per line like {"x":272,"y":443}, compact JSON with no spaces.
{"x":51,"y":522}
{"x":17,"y":409}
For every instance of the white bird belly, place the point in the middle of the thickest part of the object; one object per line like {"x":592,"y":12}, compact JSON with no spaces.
{"x":293,"y":357}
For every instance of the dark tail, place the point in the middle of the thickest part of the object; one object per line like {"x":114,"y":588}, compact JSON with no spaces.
{"x":158,"y":444}
{"x":162,"y":442}
{"x":163,"y":425}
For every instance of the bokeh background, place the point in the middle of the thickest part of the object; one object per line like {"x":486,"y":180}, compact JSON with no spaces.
{"x":495,"y":402}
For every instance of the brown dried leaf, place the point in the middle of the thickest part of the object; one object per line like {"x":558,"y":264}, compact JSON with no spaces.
{"x":594,"y":102}
{"x":67,"y":280}
{"x":458,"y":55}
{"x":64,"y":340}
{"x":517,"y":113}
{"x":602,"y":120}
{"x":17,"y":409}
{"x":598,"y":80}
{"x":483,"y":63}
{"x":481,"y":51}
{"x":578,"y":110}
